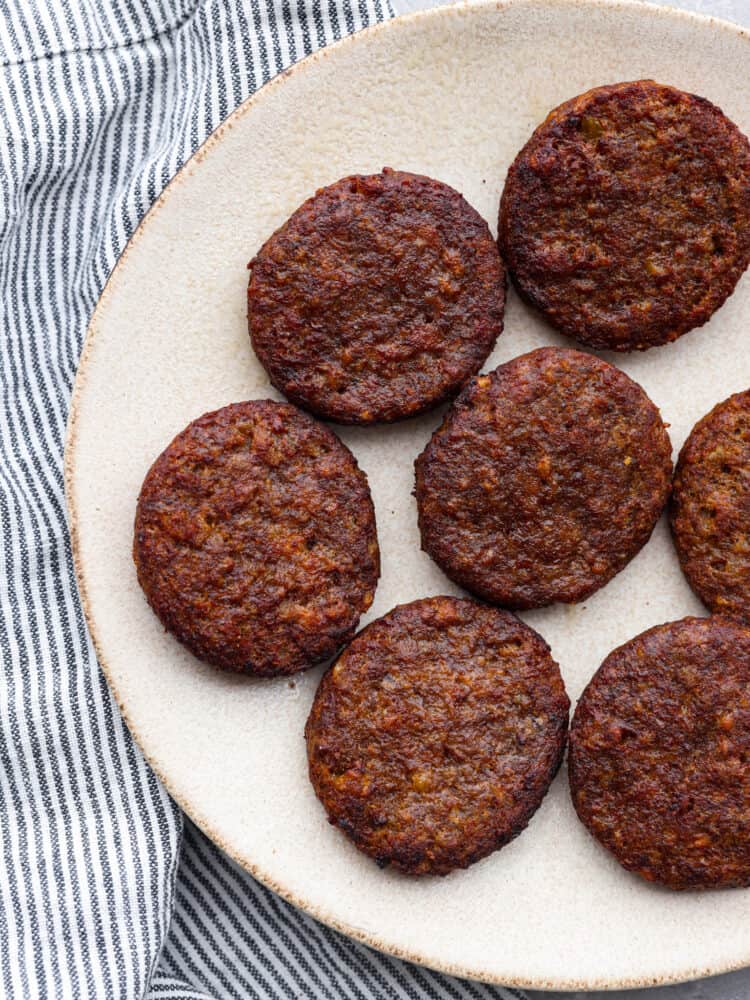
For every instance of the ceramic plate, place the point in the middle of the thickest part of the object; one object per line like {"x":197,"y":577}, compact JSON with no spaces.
{"x":452,"y":93}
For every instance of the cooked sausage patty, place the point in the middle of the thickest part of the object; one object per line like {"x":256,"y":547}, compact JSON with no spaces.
{"x":377,"y":299}
{"x":255,"y":539}
{"x":659,"y":753}
{"x":710,"y":510}
{"x":626,"y":216}
{"x":546,"y":477}
{"x":436,"y":734}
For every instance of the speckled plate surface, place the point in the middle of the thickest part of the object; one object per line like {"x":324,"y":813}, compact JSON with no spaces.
{"x":453,"y":93}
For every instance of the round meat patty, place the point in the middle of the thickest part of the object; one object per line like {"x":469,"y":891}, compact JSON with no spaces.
{"x":546,"y":477}
{"x":626,"y":217}
{"x":435,"y":735}
{"x":710,"y":508}
{"x":659,"y":754}
{"x":255,"y":539}
{"x":377,"y":299}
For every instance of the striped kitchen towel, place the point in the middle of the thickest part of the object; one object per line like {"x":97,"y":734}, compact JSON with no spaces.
{"x":106,"y":892}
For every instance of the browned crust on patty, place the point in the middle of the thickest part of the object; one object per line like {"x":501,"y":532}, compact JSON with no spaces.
{"x":434,"y":737}
{"x":546,"y":477}
{"x":255,"y":539}
{"x":710,"y":507}
{"x":626,"y":217}
{"x":659,"y":753}
{"x":377,"y":299}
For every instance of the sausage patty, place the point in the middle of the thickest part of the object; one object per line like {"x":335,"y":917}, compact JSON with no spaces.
{"x":436,"y":734}
{"x":546,"y":477}
{"x":377,"y":299}
{"x":255,"y":539}
{"x":626,"y":216}
{"x":710,"y":509}
{"x":659,"y":751}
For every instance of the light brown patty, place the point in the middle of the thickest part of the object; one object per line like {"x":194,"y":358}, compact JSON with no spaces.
{"x":255,"y":539}
{"x":435,"y":736}
{"x":710,"y":509}
{"x":546,"y":477}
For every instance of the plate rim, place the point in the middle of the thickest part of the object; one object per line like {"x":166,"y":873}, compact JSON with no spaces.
{"x":264,"y":93}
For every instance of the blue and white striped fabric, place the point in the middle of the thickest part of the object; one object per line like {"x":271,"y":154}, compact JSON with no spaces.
{"x":104,"y":891}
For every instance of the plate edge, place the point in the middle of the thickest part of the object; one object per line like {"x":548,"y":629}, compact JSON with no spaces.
{"x":463,"y":7}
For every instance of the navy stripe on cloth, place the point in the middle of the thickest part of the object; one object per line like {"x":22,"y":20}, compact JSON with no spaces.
{"x":104,"y":892}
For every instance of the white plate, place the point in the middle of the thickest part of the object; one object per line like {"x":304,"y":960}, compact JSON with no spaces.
{"x":452,"y":93}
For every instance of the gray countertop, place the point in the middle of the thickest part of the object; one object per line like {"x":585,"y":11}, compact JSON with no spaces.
{"x":736,"y":985}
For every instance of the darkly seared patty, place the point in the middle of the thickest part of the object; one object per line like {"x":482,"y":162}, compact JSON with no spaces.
{"x":626,"y":217}
{"x":255,"y":539}
{"x":377,"y":299}
{"x":710,"y":510}
{"x":659,"y":754}
{"x":434,"y":737}
{"x":546,"y":477}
